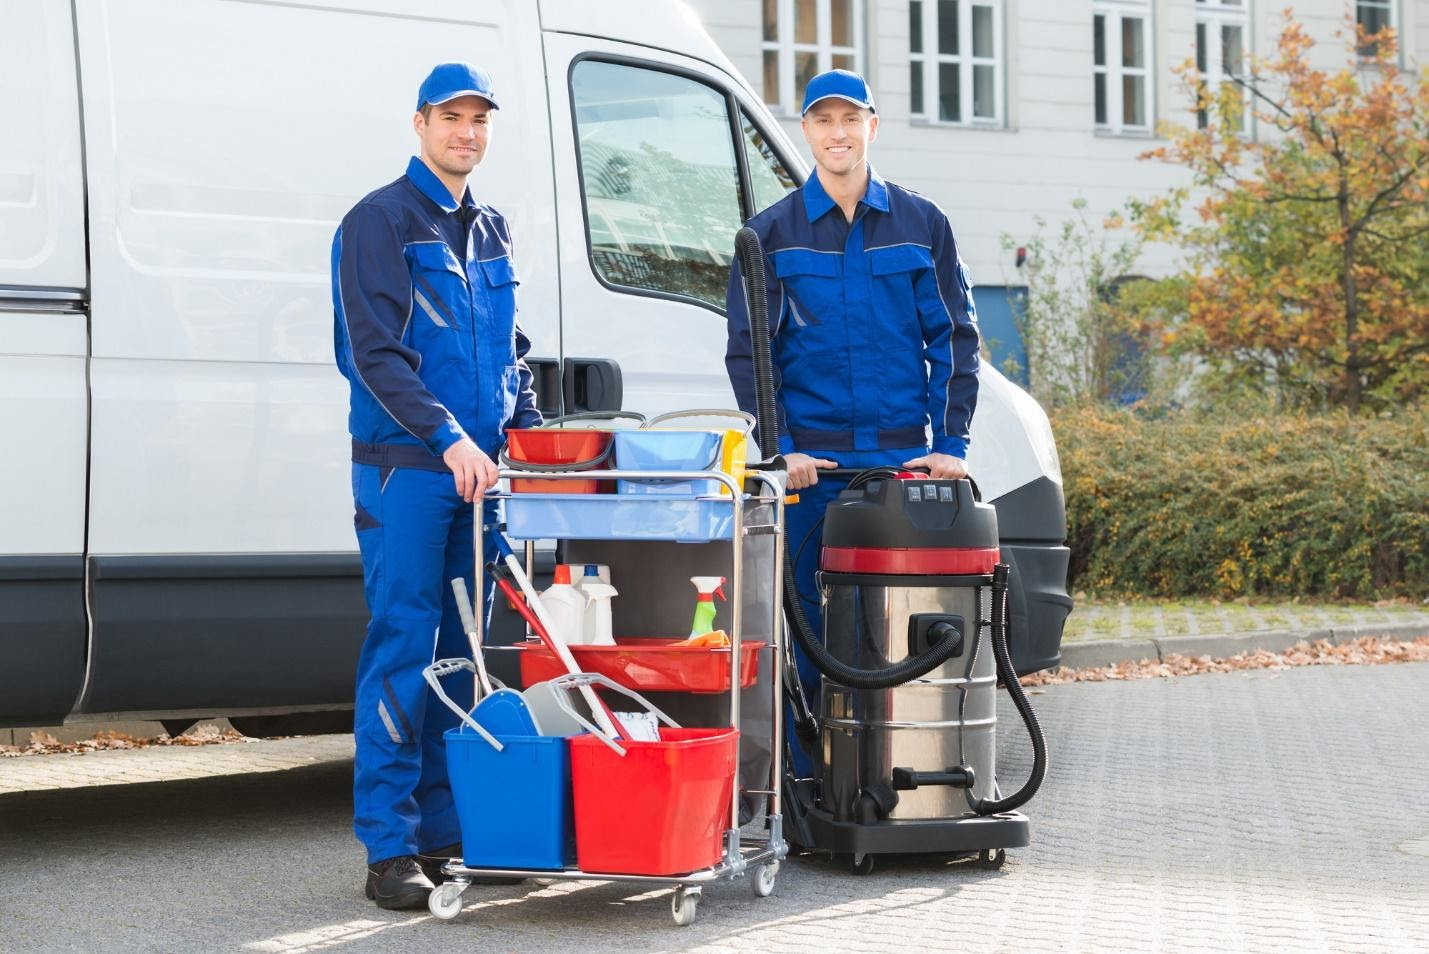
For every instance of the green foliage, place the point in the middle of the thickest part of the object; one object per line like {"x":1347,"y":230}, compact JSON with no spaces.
{"x":1082,"y":344}
{"x":1305,"y":247}
{"x":1245,"y":504}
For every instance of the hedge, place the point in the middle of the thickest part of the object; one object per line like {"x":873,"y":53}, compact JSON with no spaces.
{"x":1246,"y":505}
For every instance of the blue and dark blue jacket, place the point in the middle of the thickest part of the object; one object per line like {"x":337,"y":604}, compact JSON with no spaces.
{"x":424,"y":299}
{"x":874,"y":334}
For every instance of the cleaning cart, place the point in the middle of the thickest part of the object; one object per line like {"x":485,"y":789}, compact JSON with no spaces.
{"x":666,"y":812}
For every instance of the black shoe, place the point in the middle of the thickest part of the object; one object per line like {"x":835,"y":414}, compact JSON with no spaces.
{"x":432,"y":862}
{"x":398,"y":884}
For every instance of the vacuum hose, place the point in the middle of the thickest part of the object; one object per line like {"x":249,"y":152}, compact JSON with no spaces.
{"x":1008,"y":673}
{"x":750,"y":252}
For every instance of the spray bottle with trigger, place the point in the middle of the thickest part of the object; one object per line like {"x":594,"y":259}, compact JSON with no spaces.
{"x":709,"y":587}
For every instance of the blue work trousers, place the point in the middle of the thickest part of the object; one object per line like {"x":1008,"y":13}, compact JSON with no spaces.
{"x":415,"y":534}
{"x":803,"y":528}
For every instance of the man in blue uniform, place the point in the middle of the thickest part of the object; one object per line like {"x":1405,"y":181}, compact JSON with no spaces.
{"x":424,"y":295}
{"x":874,"y":336}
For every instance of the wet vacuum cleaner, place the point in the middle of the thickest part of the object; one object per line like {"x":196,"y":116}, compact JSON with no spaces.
{"x":915,"y":641}
{"x":914,"y":600}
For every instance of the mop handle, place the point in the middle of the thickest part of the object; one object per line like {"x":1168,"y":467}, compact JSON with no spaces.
{"x":468,"y":620}
{"x":531,"y":611}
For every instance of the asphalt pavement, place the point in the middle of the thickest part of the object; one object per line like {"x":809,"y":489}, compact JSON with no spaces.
{"x":1276,"y":811}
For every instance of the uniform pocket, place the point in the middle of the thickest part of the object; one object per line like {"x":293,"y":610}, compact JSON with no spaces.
{"x":438,"y":282}
{"x":368,"y":483}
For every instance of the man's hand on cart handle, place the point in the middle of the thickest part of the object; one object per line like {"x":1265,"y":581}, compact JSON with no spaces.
{"x":475,"y":473}
{"x":804,"y":470}
{"x":941,"y":466}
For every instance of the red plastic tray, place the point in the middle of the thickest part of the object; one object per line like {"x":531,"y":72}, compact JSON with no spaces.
{"x":648,"y":664}
{"x":583,"y":448}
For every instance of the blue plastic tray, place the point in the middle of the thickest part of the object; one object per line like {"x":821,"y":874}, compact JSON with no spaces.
{"x":668,"y":450}
{"x":618,"y":517}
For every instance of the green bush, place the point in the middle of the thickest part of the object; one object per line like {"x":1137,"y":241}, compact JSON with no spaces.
{"x":1230,"y":505}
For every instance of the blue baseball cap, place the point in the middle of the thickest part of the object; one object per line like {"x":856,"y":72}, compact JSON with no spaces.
{"x":844,"y":84}
{"x":447,"y":81}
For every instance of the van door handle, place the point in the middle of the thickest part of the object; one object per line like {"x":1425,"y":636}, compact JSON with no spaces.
{"x":592,"y":384}
{"x":546,"y":380}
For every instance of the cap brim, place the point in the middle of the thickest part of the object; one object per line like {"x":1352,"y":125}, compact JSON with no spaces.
{"x":848,"y":99}
{"x":448,"y":97}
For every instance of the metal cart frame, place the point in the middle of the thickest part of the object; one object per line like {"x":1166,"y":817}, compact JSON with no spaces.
{"x":759,"y":857}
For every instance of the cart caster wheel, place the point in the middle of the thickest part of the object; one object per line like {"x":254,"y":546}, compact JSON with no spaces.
{"x":991,"y":858}
{"x":860,"y":864}
{"x":763,"y":879}
{"x":445,"y":900}
{"x":683,"y":904}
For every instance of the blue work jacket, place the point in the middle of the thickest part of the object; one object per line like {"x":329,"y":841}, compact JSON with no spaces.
{"x":873,"y":332}
{"x":424,"y":300}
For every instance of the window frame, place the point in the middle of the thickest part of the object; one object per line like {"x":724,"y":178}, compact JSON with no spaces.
{"x":931,"y":58}
{"x":733,"y":108}
{"x":785,"y":47}
{"x":1218,"y":14}
{"x":1390,"y":6}
{"x":1116,"y":11}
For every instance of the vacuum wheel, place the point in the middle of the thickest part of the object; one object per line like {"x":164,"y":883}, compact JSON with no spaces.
{"x":762,"y":879}
{"x":445,"y":900}
{"x":991,"y":858}
{"x":683,"y":905}
{"x":860,"y":864}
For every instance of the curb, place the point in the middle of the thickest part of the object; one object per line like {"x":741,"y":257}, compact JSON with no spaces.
{"x":1108,"y":652}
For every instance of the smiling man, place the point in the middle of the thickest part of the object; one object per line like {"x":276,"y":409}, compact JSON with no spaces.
{"x":874,"y":335}
{"x":424,"y":299}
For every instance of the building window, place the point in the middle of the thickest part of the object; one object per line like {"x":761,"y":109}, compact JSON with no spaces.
{"x":1121,"y":72}
{"x":956,"y":61}
{"x":1220,"y":52}
{"x":1373,"y":16}
{"x":803,"y":38}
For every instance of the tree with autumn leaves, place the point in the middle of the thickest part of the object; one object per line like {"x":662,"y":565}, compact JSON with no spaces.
{"x":1306,"y":244}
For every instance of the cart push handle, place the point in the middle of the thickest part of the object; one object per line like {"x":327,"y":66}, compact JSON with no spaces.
{"x":446,"y":667}
{"x":584,"y":680}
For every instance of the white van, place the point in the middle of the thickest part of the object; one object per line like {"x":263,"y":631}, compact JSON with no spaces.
{"x":175,"y":511}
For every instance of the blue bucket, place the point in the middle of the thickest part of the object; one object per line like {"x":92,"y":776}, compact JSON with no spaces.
{"x":513,"y":805}
{"x":668,"y":450}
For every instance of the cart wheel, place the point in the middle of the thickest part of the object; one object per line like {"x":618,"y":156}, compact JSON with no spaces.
{"x":860,"y":864}
{"x":683,"y":904}
{"x":445,"y":900}
{"x":763,"y":879}
{"x":991,"y":858}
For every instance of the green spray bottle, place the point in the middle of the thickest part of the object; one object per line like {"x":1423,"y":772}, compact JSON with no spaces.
{"x":709,"y":587}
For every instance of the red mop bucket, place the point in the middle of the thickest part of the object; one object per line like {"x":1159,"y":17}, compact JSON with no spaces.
{"x":551,"y":449}
{"x":661,"y":809}
{"x":649,"y":808}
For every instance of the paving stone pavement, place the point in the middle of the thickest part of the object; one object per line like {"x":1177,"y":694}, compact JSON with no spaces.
{"x":1252,"y":811}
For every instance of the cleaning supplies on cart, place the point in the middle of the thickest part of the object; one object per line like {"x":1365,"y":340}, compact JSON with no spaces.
{"x":592,"y":573}
{"x":566,"y":606}
{"x":718,"y":639}
{"x":597,"y":614}
{"x":709,"y":587}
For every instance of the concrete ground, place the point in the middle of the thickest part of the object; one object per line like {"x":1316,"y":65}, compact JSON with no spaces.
{"x":1274,"y":811}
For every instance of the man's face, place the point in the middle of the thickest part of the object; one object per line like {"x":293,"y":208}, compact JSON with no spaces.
{"x":455,"y":134}
{"x":839,"y":134}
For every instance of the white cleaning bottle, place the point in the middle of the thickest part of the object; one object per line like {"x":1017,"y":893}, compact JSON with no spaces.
{"x":592,"y":573}
{"x":566,"y":606}
{"x":597,"y":614}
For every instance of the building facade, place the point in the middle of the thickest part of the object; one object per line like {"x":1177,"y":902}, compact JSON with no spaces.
{"x":1006,"y":110}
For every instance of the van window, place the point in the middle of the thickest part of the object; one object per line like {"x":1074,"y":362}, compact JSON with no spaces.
{"x":660,"y":181}
{"x":769,"y":180}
